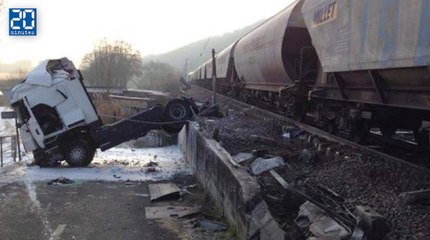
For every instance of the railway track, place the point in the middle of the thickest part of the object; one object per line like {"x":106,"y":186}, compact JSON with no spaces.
{"x":257,"y":112}
{"x":337,"y":183}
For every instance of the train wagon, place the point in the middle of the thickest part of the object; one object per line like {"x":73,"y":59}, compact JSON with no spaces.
{"x":375,"y":58}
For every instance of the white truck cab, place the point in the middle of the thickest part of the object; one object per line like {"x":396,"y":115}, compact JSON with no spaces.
{"x":58,"y":121}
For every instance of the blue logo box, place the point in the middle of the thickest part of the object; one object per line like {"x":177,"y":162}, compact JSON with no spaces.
{"x":22,"y":21}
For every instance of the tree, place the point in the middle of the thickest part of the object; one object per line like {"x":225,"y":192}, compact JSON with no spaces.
{"x":111,"y":64}
{"x":158,"y":76}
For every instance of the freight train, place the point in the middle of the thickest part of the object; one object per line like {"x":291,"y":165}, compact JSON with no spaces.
{"x":350,"y":66}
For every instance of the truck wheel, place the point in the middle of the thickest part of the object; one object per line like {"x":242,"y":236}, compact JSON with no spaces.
{"x":176,"y":110}
{"x":79,"y":153}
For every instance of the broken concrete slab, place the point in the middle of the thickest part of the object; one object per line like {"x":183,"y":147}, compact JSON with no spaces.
{"x":415,"y":196}
{"x":263,"y":226}
{"x":243,"y":157}
{"x":316,"y":221}
{"x":161,"y":191}
{"x":374,"y":225}
{"x":261,"y":165}
{"x":169,"y":212}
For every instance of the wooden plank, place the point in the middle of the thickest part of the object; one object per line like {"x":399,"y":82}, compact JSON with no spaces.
{"x":163,"y":190}
{"x":169,"y":212}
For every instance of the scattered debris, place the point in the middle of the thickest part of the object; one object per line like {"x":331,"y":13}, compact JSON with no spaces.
{"x":169,"y":212}
{"x":373,"y":224}
{"x":185,"y":189}
{"x":243,"y":157}
{"x":315,"y":221}
{"x":261,"y":165}
{"x":161,"y":191}
{"x":151,"y":164}
{"x":415,"y":196}
{"x":151,"y":169}
{"x":212,"y":226}
{"x":291,"y":132}
{"x":60,"y":181}
{"x":263,"y":226}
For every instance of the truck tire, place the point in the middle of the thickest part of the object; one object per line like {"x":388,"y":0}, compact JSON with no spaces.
{"x":79,"y":153}
{"x":176,"y":110}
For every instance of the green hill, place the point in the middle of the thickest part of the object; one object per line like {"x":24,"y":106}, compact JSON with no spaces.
{"x":198,"y":52}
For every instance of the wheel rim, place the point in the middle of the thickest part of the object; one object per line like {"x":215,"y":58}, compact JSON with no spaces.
{"x":177,"y":112}
{"x":77,"y":154}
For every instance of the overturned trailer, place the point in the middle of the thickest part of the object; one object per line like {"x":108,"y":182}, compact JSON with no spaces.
{"x":58,"y":120}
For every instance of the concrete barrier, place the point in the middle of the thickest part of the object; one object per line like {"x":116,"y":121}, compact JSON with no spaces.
{"x":234,"y":190}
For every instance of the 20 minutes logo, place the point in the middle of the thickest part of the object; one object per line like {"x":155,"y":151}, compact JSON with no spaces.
{"x":22,"y":21}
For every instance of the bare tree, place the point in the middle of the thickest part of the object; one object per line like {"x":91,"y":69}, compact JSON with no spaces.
{"x":158,"y":76}
{"x":111,"y":64}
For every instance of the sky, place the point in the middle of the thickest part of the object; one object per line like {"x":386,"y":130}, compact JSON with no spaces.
{"x":72,"y":28}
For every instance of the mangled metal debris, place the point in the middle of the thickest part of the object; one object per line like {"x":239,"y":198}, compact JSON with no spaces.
{"x":261,"y":165}
{"x":169,"y":212}
{"x":263,"y":226}
{"x":318,"y":224}
{"x":161,"y":191}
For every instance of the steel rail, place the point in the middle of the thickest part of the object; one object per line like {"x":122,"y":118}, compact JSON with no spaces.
{"x":255,"y":111}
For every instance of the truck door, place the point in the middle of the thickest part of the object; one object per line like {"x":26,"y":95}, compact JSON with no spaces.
{"x":34,"y":128}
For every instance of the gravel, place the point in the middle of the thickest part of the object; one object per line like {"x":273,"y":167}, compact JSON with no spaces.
{"x":360,"y":178}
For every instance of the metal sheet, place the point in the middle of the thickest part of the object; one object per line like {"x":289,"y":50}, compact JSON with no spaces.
{"x":169,"y":212}
{"x":369,"y":34}
{"x":318,"y":223}
{"x":162,"y":190}
{"x":261,"y":165}
{"x":260,"y":57}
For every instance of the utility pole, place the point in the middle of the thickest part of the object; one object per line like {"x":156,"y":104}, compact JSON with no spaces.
{"x":185,"y":70}
{"x":213,"y":78}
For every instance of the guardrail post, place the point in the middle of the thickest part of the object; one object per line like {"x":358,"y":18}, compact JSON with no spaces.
{"x":17,"y":139}
{"x":1,"y":151}
{"x":13,"y":148}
